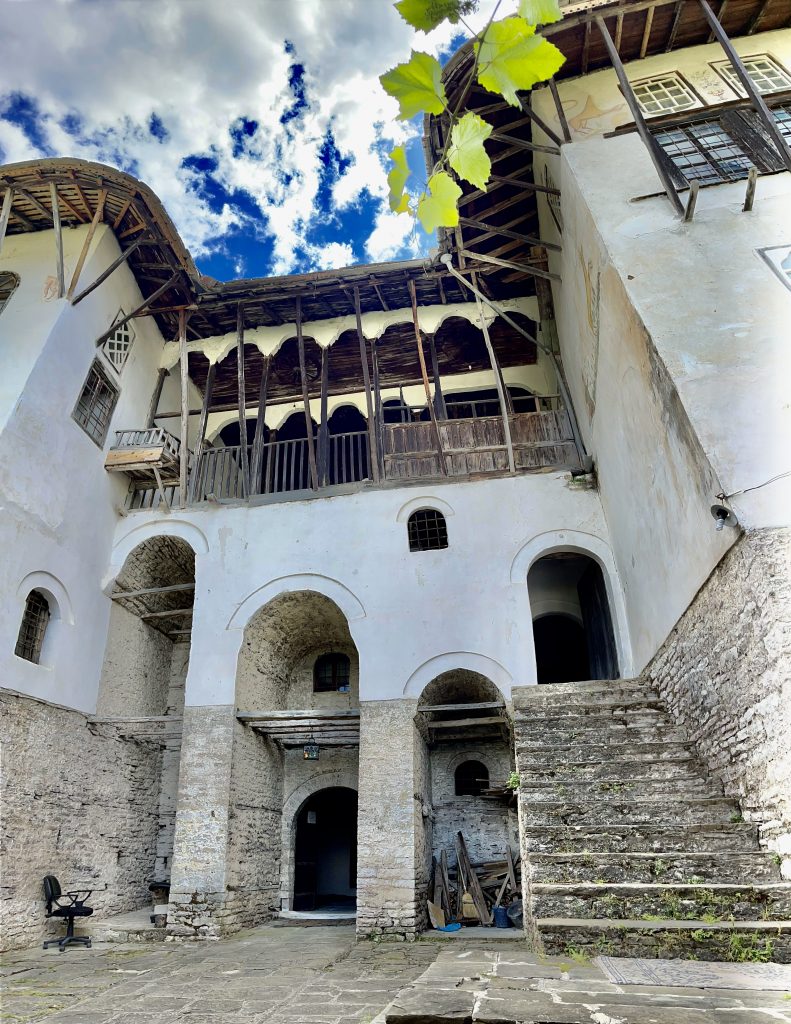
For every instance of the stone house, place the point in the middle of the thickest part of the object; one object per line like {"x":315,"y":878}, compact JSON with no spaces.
{"x":285,"y":559}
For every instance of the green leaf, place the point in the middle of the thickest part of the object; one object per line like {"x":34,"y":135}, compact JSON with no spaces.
{"x":467,"y":155}
{"x":540,"y":12}
{"x":396,"y":179}
{"x":513,"y":57}
{"x":439,"y":208}
{"x":416,"y":85}
{"x":427,"y":14}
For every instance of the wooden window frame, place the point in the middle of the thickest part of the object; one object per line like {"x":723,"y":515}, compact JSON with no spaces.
{"x":720,"y":68}
{"x":339,"y":658}
{"x":698,"y":103}
{"x":98,"y":369}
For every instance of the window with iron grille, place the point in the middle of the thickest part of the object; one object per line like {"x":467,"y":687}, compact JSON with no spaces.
{"x":664,"y":94}
{"x":763,"y":70}
{"x":331,"y":673}
{"x":427,"y":530}
{"x":782,"y":115}
{"x":34,"y":625}
{"x":94,"y":408}
{"x":118,"y":345}
{"x":8,"y":285}
{"x":471,"y":778}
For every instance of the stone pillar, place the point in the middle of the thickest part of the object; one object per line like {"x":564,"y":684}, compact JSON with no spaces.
{"x":392,"y":827}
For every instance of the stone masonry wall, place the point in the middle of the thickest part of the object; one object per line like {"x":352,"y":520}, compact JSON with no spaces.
{"x":387,"y":872}
{"x":78,"y":802}
{"x":171,"y":757}
{"x":724,"y":673}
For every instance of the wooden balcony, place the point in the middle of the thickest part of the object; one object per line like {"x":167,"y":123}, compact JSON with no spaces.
{"x":144,"y":454}
{"x":471,"y":448}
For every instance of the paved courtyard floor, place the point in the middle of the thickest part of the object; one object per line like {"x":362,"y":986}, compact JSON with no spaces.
{"x":319,"y":975}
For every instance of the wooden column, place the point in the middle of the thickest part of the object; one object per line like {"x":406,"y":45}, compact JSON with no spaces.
{"x":498,"y":379}
{"x":243,"y":461}
{"x":424,"y":374}
{"x":204,"y":419}
{"x":87,"y":243}
{"x":314,"y":475}
{"x":324,"y":430}
{"x":380,"y":432}
{"x":655,"y":151}
{"x":439,"y":401}
{"x":53,"y":193}
{"x":184,"y":453}
{"x":372,"y":445}
{"x":155,"y":397}
{"x":8,"y":202}
{"x":553,"y":88}
{"x":748,"y":85}
{"x":257,"y":463}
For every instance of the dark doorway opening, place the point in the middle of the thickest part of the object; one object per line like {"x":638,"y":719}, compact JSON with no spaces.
{"x":325,"y":852}
{"x":572,"y":629}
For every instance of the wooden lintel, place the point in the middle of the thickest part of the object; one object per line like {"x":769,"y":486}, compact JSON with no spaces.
{"x":456,"y":723}
{"x":174,"y":613}
{"x":317,"y":714}
{"x":482,"y":706}
{"x":125,"y":595}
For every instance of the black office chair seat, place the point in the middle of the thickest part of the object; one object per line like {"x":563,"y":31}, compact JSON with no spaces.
{"x":68,"y":911}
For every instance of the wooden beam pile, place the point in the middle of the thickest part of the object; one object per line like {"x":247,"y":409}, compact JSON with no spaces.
{"x":468,"y":893}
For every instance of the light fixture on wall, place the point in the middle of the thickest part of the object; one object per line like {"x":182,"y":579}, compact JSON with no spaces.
{"x":723,"y":516}
{"x":310,"y":751}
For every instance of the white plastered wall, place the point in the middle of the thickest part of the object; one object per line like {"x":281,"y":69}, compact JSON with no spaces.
{"x":59,"y":506}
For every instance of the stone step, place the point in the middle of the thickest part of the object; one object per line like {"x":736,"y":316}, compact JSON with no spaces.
{"x":585,"y":693}
{"x":541,"y":770}
{"x":651,"y":901}
{"x":560,"y":733}
{"x":623,"y":810}
{"x":651,"y":706}
{"x":720,"y":866}
{"x":731,"y":941}
{"x":618,"y":790}
{"x":739,"y":837}
{"x":558,"y":754}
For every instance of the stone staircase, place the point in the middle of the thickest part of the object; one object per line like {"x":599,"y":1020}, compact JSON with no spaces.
{"x":629,"y":848}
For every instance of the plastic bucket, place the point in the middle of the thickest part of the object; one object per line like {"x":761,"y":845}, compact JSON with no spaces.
{"x":501,"y":917}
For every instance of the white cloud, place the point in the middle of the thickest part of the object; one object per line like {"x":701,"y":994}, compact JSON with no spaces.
{"x":199,"y":67}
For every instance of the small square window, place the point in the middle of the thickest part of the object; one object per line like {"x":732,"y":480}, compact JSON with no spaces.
{"x":94,"y":408}
{"x":664,"y":94}
{"x":427,"y":530}
{"x":763,"y":70}
{"x":119,"y":344}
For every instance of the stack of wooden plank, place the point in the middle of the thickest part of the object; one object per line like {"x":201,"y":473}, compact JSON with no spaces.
{"x":469,"y":892}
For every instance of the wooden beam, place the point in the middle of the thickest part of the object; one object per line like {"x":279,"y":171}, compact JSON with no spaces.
{"x":533,"y":147}
{"x":38,"y":206}
{"x":173,"y":614}
{"x":553,"y":88}
{"x":378,"y":409}
{"x":125,"y":595}
{"x":522,"y":268}
{"x":135,"y":312}
{"x":314,"y":474}
{"x":87,"y":243}
{"x":723,"y":8}
{"x":455,"y":723}
{"x":749,"y":197}
{"x":378,"y":290}
{"x":122,"y":214}
{"x":498,"y":380}
{"x":748,"y":85}
{"x":184,"y":447}
{"x":618,"y":30}
{"x":692,"y":198}
{"x":106,"y":273}
{"x":525,"y":104}
{"x":649,"y":21}
{"x":319,"y":714}
{"x":424,"y":374}
{"x":756,"y":19}
{"x":201,"y":435}
{"x":653,"y":147}
{"x":439,"y":401}
{"x":59,"y":269}
{"x":677,"y":14}
{"x":28,"y":225}
{"x":5,"y":213}
{"x":257,"y":462}
{"x":586,"y":49}
{"x":482,"y":706}
{"x":369,"y":404}
{"x":324,"y":430}
{"x":241,"y":399}
{"x":78,"y":216}
{"x":155,"y":397}
{"x":84,"y":201}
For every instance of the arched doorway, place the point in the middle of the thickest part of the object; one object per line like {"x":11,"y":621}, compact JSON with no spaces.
{"x":572,"y":624}
{"x":325,"y":852}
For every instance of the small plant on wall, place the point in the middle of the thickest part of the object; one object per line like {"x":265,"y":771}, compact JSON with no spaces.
{"x":509,"y":57}
{"x":513,"y":781}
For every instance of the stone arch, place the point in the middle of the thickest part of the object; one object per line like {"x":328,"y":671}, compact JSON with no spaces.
{"x":482,"y":665}
{"x":426,"y":501}
{"x":125,"y":545}
{"x":556,"y":541}
{"x":328,"y":779}
{"x":326,"y":585}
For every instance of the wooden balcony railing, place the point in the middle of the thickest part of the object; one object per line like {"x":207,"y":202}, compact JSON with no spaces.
{"x":470,"y":447}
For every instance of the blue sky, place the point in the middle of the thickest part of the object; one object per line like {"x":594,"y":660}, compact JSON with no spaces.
{"x":260,"y":124}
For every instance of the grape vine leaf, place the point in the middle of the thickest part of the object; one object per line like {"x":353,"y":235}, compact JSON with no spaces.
{"x":425,"y":15}
{"x":417,"y":85}
{"x":540,"y":12}
{"x":466,"y":154}
{"x":513,"y":57}
{"x":439,"y":208}
{"x":396,"y":179}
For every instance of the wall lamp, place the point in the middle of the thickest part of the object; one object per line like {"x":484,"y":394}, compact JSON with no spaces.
{"x":723,"y":516}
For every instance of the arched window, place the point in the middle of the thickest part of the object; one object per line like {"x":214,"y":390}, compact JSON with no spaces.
{"x":427,"y":530}
{"x":8,"y":285}
{"x":472,"y":778}
{"x":331,"y":673}
{"x":35,"y":619}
